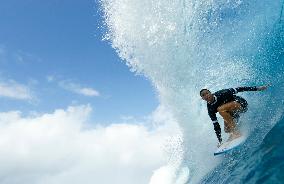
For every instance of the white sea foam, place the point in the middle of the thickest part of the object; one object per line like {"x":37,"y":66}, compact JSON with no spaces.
{"x":183,"y":46}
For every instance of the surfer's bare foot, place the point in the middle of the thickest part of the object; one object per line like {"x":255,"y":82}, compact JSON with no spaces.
{"x":234,"y":136}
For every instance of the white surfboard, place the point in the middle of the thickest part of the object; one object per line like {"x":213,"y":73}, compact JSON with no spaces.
{"x":227,"y":146}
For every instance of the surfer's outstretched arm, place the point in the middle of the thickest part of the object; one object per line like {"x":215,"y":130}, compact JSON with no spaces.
{"x":254,"y":88}
{"x":262,"y":88}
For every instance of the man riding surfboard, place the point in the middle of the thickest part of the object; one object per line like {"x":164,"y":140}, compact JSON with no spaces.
{"x":229,"y":106}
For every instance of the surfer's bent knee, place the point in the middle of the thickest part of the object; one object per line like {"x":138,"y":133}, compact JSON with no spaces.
{"x":230,"y":106}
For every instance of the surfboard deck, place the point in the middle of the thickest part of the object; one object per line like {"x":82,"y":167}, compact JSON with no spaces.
{"x":228,"y":146}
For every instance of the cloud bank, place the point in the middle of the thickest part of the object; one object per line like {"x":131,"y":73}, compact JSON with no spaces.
{"x":61,"y":148}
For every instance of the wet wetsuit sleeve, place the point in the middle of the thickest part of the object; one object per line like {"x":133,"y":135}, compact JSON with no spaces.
{"x":241,"y":89}
{"x":217,"y":127}
{"x":212,"y":115}
{"x":227,"y":92}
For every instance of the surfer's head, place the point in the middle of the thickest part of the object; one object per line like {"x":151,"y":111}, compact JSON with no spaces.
{"x":206,"y":95}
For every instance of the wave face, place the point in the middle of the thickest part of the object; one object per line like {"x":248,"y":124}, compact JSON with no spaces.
{"x":265,"y":164}
{"x":183,"y":46}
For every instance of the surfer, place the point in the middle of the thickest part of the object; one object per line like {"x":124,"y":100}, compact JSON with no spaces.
{"x":229,"y":107}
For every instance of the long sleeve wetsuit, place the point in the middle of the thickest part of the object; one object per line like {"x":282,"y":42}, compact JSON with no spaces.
{"x":222,"y":97}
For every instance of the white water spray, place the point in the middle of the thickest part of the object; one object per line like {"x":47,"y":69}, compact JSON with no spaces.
{"x":183,"y":46}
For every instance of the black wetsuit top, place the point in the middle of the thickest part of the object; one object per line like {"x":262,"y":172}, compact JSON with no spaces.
{"x":222,"y":97}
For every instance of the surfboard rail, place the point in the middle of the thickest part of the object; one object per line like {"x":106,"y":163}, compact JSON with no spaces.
{"x":228,"y":146}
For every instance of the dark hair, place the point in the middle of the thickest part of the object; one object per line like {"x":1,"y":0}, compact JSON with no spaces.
{"x":203,"y":90}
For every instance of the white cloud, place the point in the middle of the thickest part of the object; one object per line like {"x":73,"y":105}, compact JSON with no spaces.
{"x":74,"y":87}
{"x":77,"y":88}
{"x":57,"y":148}
{"x":87,"y":91}
{"x":15,"y":90}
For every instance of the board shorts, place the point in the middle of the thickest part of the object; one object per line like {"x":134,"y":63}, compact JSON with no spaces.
{"x":244,"y":105}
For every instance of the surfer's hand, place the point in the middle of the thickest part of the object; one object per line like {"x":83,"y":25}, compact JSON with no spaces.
{"x":219,"y":144}
{"x":262,"y":88}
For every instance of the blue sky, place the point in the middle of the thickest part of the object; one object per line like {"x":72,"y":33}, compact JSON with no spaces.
{"x":52,"y":56}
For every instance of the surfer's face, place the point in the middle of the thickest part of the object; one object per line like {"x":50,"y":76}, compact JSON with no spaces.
{"x":206,"y":95}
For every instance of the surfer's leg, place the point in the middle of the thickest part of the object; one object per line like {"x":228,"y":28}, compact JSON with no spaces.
{"x":244,"y":107}
{"x":236,"y":116}
{"x":226,"y":112}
